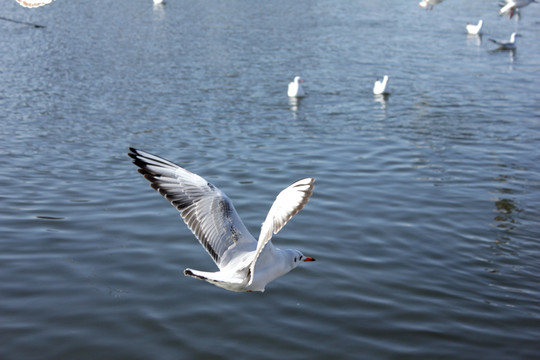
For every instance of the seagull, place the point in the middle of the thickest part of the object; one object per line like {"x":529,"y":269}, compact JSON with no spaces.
{"x":244,"y":263}
{"x":512,"y":5}
{"x":34,"y":3}
{"x":507,"y":45}
{"x":38,"y":3}
{"x":475,"y":29}
{"x":379,"y":88}
{"x":295,"y":88}
{"x":428,"y":4}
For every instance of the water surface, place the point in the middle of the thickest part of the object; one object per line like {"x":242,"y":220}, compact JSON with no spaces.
{"x":424,"y":220}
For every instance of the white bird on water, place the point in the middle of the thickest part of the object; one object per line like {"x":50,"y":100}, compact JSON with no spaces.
{"x":475,"y":29}
{"x":512,"y":5}
{"x":379,"y":88}
{"x":38,"y":3}
{"x":507,"y":45}
{"x":34,"y":3}
{"x":295,"y":88}
{"x":428,"y":4}
{"x":244,"y":263}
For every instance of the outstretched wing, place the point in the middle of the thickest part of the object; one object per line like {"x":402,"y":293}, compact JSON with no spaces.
{"x":206,"y":210}
{"x":507,"y":7}
{"x":287,"y":204}
{"x":34,"y":3}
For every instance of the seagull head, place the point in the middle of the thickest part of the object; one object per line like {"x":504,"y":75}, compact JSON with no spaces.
{"x":297,"y":258}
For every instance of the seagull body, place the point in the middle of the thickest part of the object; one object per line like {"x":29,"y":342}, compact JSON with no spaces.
{"x":475,"y":29}
{"x":379,"y":88}
{"x":428,"y":4}
{"x":38,"y":3}
{"x":295,"y":88}
{"x":506,"y":45}
{"x":512,"y":5}
{"x":34,"y":3}
{"x":244,"y":263}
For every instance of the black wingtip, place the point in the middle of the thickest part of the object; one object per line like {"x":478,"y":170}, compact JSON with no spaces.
{"x":132,"y":153}
{"x":136,"y":156}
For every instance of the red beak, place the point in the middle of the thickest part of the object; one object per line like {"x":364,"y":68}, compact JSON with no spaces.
{"x":308,"y":258}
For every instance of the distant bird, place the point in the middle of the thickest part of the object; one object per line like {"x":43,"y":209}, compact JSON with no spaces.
{"x":244,"y":263}
{"x":34,"y":3}
{"x":295,"y":88}
{"x":512,"y":5}
{"x":38,"y":3}
{"x":475,"y":29}
{"x":428,"y":4}
{"x":379,"y":88}
{"x":507,"y":45}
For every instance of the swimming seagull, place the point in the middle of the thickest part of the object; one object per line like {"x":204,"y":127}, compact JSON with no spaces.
{"x":34,"y":3}
{"x":512,"y":5}
{"x":428,"y":4}
{"x":475,"y":29}
{"x":507,"y":45}
{"x":244,"y":263}
{"x":379,"y":88}
{"x":38,"y":3}
{"x":295,"y":88}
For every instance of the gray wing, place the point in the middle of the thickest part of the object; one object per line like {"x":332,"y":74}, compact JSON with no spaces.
{"x":206,"y":210}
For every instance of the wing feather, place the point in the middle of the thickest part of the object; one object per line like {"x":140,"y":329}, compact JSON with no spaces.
{"x":507,"y":7}
{"x":205,"y":209}
{"x":287,"y":204}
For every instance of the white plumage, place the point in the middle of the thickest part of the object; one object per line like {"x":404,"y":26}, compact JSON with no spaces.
{"x":428,"y":4}
{"x":475,"y":29}
{"x":38,"y":3}
{"x":295,"y":88}
{"x":380,"y":87}
{"x":513,"y":5}
{"x":244,"y":263}
{"x":34,"y":3}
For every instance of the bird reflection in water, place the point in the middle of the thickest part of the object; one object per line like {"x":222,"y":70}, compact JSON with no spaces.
{"x":382,"y":99}
{"x":294,"y":105}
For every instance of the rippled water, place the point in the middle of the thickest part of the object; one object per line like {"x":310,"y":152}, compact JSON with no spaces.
{"x":424,"y":222}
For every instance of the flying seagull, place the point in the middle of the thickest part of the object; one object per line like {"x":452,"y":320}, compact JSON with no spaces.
{"x":244,"y":263}
{"x":512,"y":5}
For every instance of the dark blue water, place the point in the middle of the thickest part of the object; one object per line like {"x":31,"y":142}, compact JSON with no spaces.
{"x":425,"y":218}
